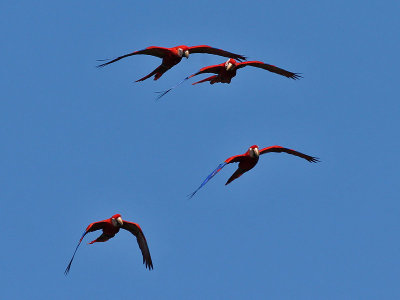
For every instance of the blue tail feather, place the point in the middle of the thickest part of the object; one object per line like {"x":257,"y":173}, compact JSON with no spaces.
{"x":76,"y":249}
{"x":220,"y":166}
{"x":163,"y":93}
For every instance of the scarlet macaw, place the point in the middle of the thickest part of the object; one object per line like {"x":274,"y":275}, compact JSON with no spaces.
{"x":110,"y":228}
{"x":226,"y":71}
{"x":248,"y":160}
{"x":172,"y":56}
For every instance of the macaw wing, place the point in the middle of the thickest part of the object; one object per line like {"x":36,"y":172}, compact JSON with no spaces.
{"x":235,"y":159}
{"x":232,"y":159}
{"x":215,"y":51}
{"x":141,"y":240}
{"x":289,"y":151}
{"x":216,"y":69}
{"x":271,"y":68}
{"x":153,"y":50}
{"x":210,"y":69}
{"x":92,"y":227}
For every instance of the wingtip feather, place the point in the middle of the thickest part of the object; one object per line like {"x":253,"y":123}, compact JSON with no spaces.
{"x":68,"y":268}
{"x":314,"y":160}
{"x":296,"y":76}
{"x":104,"y":64}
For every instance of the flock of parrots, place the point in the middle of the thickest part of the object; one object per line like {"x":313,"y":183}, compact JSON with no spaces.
{"x":224,"y":73}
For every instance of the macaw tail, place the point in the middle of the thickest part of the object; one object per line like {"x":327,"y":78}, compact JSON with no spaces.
{"x":163,"y":93}
{"x":70,"y":262}
{"x":219,"y":168}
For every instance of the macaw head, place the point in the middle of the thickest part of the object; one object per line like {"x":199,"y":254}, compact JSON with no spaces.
{"x":183,"y":51}
{"x":116,"y":220}
{"x":230,"y":63}
{"x":253,"y":151}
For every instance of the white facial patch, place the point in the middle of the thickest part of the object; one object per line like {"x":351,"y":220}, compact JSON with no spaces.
{"x":228,"y":66}
{"x":254,"y":152}
{"x":180,"y":52}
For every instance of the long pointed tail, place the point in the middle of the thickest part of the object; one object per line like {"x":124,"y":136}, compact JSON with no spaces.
{"x":219,"y":168}
{"x":163,"y":93}
{"x":76,"y":249}
{"x":70,"y":262}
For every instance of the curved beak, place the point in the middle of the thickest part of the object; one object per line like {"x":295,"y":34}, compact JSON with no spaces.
{"x":257,"y":153}
{"x":229,"y":66}
{"x":186,"y":54}
{"x":119,"y":220}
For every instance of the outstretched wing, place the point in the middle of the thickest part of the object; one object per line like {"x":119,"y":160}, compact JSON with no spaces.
{"x":215,"y":51}
{"x":154,"y":51}
{"x":216,"y":69}
{"x":141,"y":240}
{"x":271,"y":68}
{"x":92,"y":227}
{"x":210,"y":69}
{"x":232,"y":159}
{"x":289,"y":151}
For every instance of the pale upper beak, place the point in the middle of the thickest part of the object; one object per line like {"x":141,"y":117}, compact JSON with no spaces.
{"x":229,"y":66}
{"x":186,"y":54}
{"x":119,"y":220}
{"x":256,"y":152}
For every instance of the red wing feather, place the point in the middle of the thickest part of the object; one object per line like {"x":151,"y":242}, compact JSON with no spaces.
{"x":235,"y":159}
{"x":153,"y":50}
{"x":210,"y":69}
{"x":141,"y":240}
{"x":215,"y":51}
{"x":93,"y":227}
{"x":271,"y":68}
{"x":289,"y":151}
{"x":216,"y":69}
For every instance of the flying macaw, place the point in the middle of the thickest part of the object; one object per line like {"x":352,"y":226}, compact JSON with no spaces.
{"x":110,"y":228}
{"x":226,"y":71}
{"x":172,"y":56}
{"x":248,"y":160}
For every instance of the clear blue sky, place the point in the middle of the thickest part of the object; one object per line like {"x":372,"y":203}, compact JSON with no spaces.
{"x":79,"y":144}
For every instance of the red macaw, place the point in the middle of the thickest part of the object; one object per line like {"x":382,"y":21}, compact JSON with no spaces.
{"x":172,"y":56}
{"x":226,"y":71}
{"x":110,"y":228}
{"x":248,"y":160}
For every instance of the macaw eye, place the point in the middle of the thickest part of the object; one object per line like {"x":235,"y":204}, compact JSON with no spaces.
{"x":180,"y":52}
